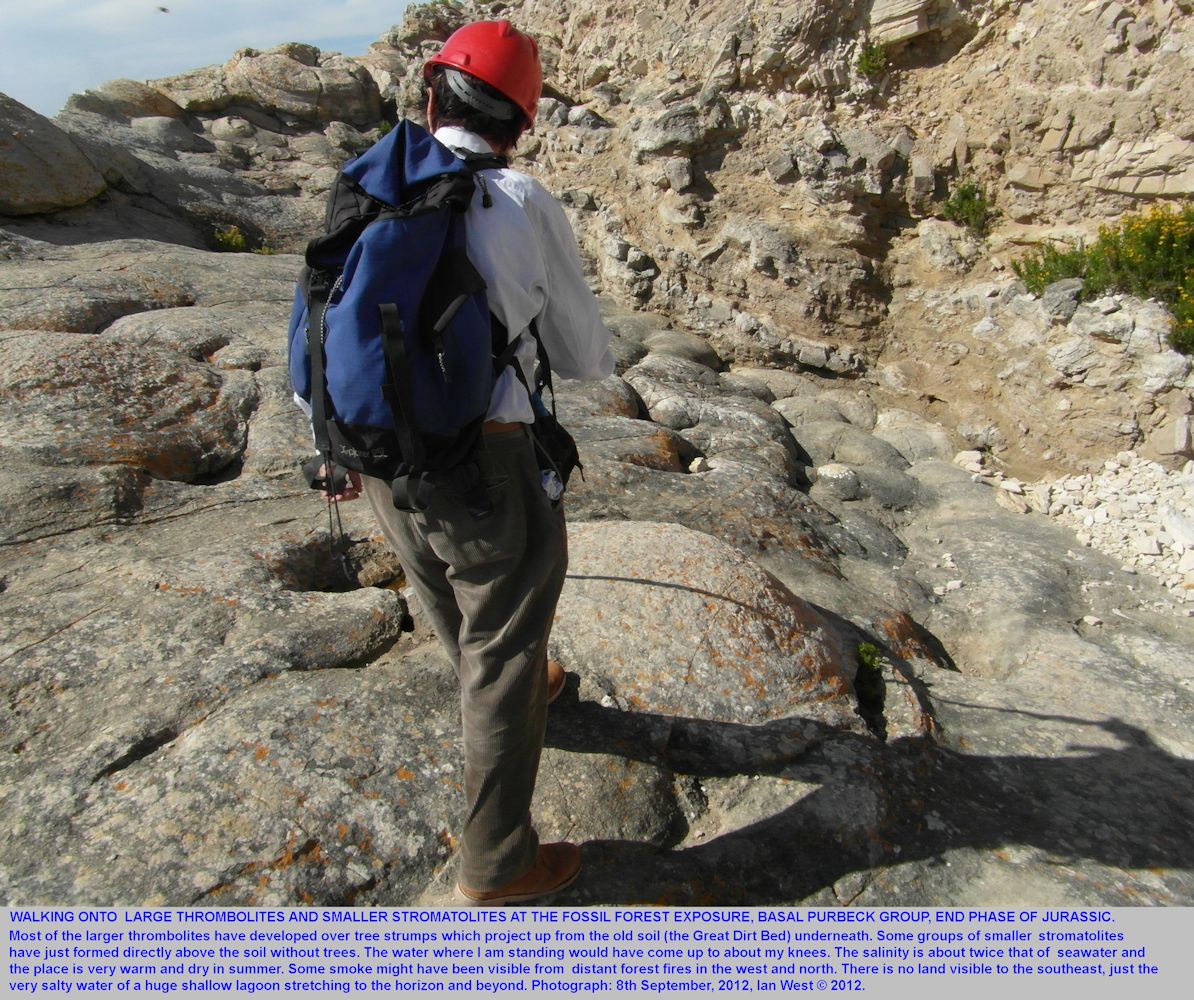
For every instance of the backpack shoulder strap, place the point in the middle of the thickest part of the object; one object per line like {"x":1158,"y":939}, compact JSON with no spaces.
{"x":481,"y":161}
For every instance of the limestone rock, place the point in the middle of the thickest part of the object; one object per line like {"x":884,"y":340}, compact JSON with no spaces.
{"x":125,"y":99}
{"x":43,"y":170}
{"x":1160,"y":165}
{"x":78,"y":400}
{"x":899,"y":20}
{"x":739,"y":646}
{"x":688,"y":397}
{"x":291,"y":80}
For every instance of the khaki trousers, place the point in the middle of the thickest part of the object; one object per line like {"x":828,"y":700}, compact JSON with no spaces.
{"x":489,"y":589}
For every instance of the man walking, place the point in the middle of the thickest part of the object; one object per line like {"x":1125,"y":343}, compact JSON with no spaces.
{"x":489,"y":587}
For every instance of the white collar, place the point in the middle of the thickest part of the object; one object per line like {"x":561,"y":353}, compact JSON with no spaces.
{"x":455,"y":137}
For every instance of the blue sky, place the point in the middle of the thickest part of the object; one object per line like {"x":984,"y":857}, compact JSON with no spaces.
{"x":50,"y":49}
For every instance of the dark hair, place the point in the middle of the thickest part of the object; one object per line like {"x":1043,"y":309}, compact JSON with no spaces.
{"x":452,"y":110}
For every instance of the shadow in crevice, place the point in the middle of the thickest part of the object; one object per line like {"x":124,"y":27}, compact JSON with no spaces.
{"x":872,"y":806}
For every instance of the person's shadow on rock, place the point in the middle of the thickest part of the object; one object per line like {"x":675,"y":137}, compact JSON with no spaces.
{"x":859,"y":807}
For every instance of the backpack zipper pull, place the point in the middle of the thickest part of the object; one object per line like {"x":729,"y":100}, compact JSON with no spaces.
{"x":486,"y":200}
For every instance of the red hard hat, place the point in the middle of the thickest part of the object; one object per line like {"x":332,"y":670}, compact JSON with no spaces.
{"x":500,"y":55}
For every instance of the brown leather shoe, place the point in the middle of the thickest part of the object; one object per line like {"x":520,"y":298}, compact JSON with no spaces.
{"x":556,"y":867}
{"x":555,"y":680}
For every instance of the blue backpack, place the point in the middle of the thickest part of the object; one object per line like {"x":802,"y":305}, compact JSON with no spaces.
{"x":391,"y":339}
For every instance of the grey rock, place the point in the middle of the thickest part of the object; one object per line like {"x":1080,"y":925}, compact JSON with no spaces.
{"x":610,"y":397}
{"x":947,"y":247}
{"x":782,"y":168}
{"x":582,"y":117}
{"x":1089,"y":321}
{"x":868,"y":147}
{"x":279,"y":434}
{"x":832,"y":441}
{"x":837,"y":481}
{"x":47,"y":501}
{"x":738,"y":646}
{"x":170,"y":135}
{"x":779,"y":382}
{"x":636,"y":442}
{"x":192,"y":682}
{"x":678,"y":344}
{"x":207,"y":333}
{"x":678,"y":130}
{"x":73,"y":400}
{"x":124,"y":99}
{"x":798,"y":410}
{"x":62,"y":288}
{"x":1060,"y":299}
{"x":888,"y":487}
{"x":290,"y":80}
{"x":688,"y":397}
{"x":44,"y":171}
{"x":744,"y":506}
{"x":855,"y":405}
{"x":914,"y":437}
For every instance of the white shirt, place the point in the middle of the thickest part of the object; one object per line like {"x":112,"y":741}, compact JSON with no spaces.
{"x":525,"y":249}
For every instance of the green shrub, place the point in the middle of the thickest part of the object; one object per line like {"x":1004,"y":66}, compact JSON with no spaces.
{"x":1150,"y":255}
{"x":230,"y":240}
{"x":873,"y":60}
{"x":1049,"y":264}
{"x":870,"y":656}
{"x":969,"y":205}
{"x":1181,"y":337}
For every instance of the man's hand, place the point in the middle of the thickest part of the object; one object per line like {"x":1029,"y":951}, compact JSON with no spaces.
{"x":350,"y":488}
{"x":342,"y":484}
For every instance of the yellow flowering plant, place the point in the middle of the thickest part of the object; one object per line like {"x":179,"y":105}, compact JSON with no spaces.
{"x":1150,"y":254}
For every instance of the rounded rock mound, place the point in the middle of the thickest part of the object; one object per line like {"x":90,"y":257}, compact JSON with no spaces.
{"x":674,"y":621}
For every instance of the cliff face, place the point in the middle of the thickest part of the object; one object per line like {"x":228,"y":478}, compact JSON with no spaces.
{"x":819,"y":649}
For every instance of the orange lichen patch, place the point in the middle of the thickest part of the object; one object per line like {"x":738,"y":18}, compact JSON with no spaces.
{"x":121,"y":786}
{"x":342,"y":831}
{"x":907,"y":639}
{"x":326,"y":702}
{"x":310,"y":851}
{"x":185,"y":591}
{"x":402,"y":774}
{"x":261,"y":752}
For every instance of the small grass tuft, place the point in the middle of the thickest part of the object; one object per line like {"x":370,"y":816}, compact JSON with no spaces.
{"x":230,"y":239}
{"x":969,"y":205}
{"x":873,"y":60}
